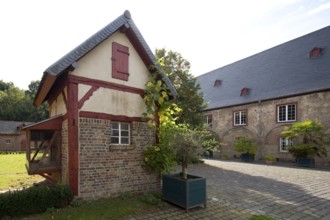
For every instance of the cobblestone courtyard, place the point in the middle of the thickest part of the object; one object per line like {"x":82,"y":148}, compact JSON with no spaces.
{"x":238,"y":190}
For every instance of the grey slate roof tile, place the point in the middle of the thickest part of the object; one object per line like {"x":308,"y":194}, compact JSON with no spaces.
{"x":11,"y":127}
{"x":284,"y":70}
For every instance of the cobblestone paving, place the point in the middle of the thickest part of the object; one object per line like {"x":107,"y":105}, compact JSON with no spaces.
{"x":238,"y":190}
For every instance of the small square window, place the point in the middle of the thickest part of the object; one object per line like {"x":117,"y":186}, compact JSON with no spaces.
{"x":240,"y":118}
{"x":8,"y":141}
{"x":208,"y":121}
{"x":120,"y":133}
{"x":284,"y":144}
{"x":286,"y":113}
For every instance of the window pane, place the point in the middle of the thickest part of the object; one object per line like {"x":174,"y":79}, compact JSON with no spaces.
{"x":291,"y":112}
{"x":243,"y":118}
{"x":115,"y":133}
{"x":282,"y":113}
{"x":114,"y":140}
{"x":237,"y":118}
{"x":124,"y":127}
{"x":282,"y":145}
{"x":124,"y":133}
{"x":124,"y":140}
{"x":114,"y":125}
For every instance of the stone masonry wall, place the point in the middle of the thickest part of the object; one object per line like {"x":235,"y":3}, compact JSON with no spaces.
{"x":109,"y":170}
{"x":263,"y":127}
{"x":64,"y":151}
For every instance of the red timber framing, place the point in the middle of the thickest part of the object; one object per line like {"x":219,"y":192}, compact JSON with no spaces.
{"x":123,"y":118}
{"x":72,"y":115}
{"x":104,"y":84}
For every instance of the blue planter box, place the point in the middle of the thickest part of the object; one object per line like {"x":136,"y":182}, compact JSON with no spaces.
{"x":187,"y":194}
{"x":246,"y":157}
{"x":306,"y":162}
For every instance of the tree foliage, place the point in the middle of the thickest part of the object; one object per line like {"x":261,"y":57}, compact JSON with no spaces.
{"x":17,"y":104}
{"x":178,"y":141}
{"x":310,"y":137}
{"x":245,"y":145}
{"x":189,"y":99}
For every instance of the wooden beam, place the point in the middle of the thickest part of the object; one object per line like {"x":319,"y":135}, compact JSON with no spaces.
{"x":73,"y":136}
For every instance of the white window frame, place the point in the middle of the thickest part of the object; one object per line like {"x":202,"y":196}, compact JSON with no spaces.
{"x":120,"y":130}
{"x":208,"y":120}
{"x":240,"y":114}
{"x":287,"y":112}
{"x":285,"y":143}
{"x":8,"y":141}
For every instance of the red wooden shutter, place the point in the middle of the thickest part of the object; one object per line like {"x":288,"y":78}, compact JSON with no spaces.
{"x":120,"y":55}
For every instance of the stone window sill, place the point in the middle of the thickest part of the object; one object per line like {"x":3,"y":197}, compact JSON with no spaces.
{"x":121,"y":147}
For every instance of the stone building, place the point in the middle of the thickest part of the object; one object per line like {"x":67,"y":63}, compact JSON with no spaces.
{"x":95,"y":135}
{"x":12,"y":137}
{"x":258,"y":96}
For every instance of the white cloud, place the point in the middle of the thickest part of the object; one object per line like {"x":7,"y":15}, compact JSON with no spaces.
{"x":319,"y":9}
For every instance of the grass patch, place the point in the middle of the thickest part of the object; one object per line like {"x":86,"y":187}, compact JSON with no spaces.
{"x":260,"y":217}
{"x":111,"y":208}
{"x":13,"y":173}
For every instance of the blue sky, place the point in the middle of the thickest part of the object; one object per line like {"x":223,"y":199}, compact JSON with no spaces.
{"x":209,"y":33}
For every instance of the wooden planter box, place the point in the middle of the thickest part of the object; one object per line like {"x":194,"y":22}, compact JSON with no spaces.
{"x":246,"y":157}
{"x":187,"y":194}
{"x":306,"y":162}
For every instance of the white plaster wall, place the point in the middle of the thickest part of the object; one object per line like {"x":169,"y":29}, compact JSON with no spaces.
{"x":82,"y":90}
{"x":58,"y":106}
{"x":97,"y":63}
{"x":115,"y":102}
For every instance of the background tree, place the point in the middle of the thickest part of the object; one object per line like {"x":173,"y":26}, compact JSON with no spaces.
{"x":17,"y":104}
{"x":189,"y":99}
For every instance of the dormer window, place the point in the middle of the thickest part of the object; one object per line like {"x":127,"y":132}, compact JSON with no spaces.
{"x":315,"y":52}
{"x":245,"y":91}
{"x":217,"y":83}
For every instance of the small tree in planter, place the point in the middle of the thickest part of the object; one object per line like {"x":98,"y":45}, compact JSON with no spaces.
{"x":269,"y":159}
{"x":310,"y":136}
{"x":246,"y":147}
{"x":176,"y":143}
{"x":182,"y":189}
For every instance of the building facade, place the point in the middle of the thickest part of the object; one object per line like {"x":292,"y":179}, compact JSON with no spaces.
{"x":12,"y":137}
{"x":97,"y":133}
{"x":259,"y":96}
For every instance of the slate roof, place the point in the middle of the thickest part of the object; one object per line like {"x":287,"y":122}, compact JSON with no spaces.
{"x":282,"y":71}
{"x":77,"y":53}
{"x":11,"y":127}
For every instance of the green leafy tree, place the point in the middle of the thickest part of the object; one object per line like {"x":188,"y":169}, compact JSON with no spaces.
{"x":11,"y":98}
{"x":310,"y":137}
{"x":17,"y":105}
{"x":176,"y":141}
{"x":245,"y":145}
{"x":188,"y":99}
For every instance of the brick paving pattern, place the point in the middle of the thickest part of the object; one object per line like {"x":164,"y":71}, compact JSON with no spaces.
{"x":238,"y":190}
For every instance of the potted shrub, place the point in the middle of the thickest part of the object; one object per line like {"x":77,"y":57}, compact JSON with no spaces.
{"x":180,"y":144}
{"x":269,"y":159}
{"x":309,"y":137}
{"x":246,"y":147}
{"x":182,"y":189}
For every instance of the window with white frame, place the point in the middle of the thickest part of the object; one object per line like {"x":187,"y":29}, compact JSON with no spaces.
{"x":286,"y":113}
{"x":8,"y":141}
{"x":284,"y":144}
{"x":120,"y":133}
{"x":208,"y":121}
{"x":240,"y":118}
